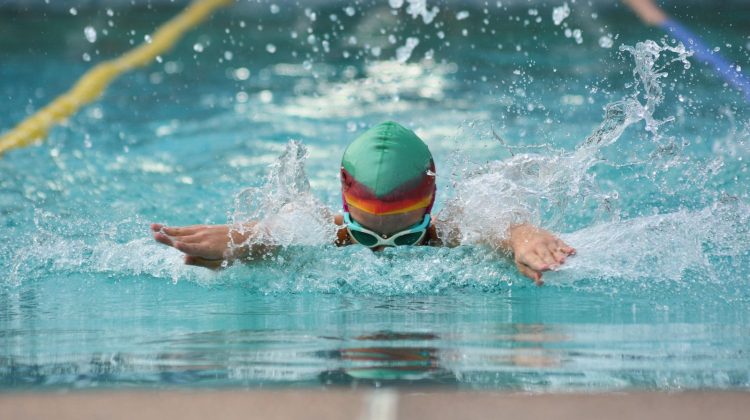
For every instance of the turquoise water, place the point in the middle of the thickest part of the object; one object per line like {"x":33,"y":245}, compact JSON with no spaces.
{"x":257,"y":105}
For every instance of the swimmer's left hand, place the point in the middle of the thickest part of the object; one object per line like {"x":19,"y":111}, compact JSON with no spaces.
{"x":536,"y":250}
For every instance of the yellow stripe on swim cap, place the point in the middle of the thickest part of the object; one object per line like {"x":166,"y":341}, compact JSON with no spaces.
{"x":381,"y":208}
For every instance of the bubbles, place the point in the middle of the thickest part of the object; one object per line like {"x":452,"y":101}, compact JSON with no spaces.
{"x":605,"y":41}
{"x":270,"y":48}
{"x":198,"y":47}
{"x":463,"y":14}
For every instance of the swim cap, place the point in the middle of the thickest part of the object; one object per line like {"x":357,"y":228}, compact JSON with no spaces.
{"x":388,"y":170}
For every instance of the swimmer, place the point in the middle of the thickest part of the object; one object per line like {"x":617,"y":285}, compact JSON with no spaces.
{"x":388,"y":189}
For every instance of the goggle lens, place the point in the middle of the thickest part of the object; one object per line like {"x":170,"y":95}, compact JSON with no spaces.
{"x":409,"y":239}
{"x":364,"y":238}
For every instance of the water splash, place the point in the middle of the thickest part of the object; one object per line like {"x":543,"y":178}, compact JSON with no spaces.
{"x":284,"y":208}
{"x":543,"y":189}
{"x":490,"y":197}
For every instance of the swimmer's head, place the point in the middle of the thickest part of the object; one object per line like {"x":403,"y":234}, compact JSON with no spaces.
{"x":387,"y":174}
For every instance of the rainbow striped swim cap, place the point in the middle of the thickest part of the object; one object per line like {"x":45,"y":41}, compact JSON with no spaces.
{"x":388,"y":170}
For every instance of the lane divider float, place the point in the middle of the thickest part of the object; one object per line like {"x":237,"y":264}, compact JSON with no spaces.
{"x":91,"y":85}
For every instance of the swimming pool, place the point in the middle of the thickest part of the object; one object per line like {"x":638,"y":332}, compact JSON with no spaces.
{"x":258,"y":104}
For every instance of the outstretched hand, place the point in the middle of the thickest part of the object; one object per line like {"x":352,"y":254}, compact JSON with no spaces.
{"x":536,"y":250}
{"x":204,"y":245}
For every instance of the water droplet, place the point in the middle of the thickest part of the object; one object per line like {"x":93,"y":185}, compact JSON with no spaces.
{"x":73,"y":11}
{"x":577,"y":36}
{"x":605,"y":41}
{"x":241,"y":73}
{"x":404,"y":52}
{"x":271,"y":48}
{"x":463,"y":14}
{"x":349,"y":11}
{"x":90,"y":34}
{"x":265,"y":96}
{"x":560,"y":13}
{"x":274,"y":9}
{"x":198,"y":47}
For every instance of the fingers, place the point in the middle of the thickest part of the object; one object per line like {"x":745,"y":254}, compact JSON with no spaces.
{"x":182,"y":231}
{"x":548,"y":257}
{"x":176,"y":231}
{"x":194,"y":249}
{"x":533,"y":261}
{"x":562,"y":246}
{"x":203,"y":262}
{"x":164,"y":239}
{"x":534,"y":275}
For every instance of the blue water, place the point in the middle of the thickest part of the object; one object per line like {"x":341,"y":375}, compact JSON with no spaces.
{"x":657,"y":297}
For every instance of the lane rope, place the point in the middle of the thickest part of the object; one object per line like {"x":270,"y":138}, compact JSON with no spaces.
{"x":91,"y":85}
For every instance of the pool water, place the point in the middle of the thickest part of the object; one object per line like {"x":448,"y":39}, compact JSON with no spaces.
{"x":247,"y":118}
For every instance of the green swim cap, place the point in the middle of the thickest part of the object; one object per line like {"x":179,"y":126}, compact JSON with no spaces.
{"x":388,"y":170}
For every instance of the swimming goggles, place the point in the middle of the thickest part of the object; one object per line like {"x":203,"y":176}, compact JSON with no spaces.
{"x":370,"y":239}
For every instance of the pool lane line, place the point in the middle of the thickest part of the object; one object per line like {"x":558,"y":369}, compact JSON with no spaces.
{"x":91,"y":85}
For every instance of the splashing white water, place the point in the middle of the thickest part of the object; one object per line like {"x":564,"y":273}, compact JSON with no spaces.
{"x":491,"y":197}
{"x":284,"y":208}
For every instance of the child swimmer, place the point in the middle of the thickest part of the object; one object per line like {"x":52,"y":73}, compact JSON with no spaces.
{"x":388,"y":189}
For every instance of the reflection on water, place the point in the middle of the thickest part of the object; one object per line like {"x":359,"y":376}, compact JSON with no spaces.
{"x":524,"y":339}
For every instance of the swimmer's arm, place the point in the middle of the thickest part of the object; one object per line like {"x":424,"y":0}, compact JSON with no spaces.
{"x":208,"y":245}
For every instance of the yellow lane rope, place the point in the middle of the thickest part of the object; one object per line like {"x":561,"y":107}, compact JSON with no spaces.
{"x":91,"y":85}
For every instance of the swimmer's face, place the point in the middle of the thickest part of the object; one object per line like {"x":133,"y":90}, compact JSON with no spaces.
{"x":387,"y":224}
